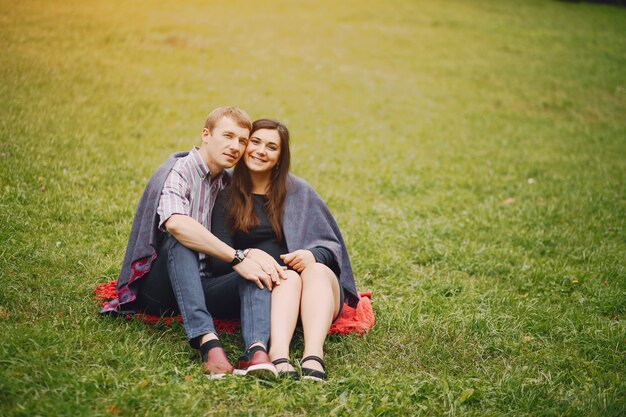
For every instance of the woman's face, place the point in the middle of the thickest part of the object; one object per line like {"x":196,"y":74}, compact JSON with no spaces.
{"x":263,"y":150}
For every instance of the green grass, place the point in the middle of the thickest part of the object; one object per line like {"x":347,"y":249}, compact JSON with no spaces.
{"x":473,"y":153}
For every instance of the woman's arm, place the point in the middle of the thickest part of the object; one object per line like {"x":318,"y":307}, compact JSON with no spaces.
{"x":302,"y":258}
{"x":325,"y":256}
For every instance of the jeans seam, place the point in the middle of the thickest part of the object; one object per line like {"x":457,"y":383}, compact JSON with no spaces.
{"x":170,"y":258}
{"x":249,"y":303}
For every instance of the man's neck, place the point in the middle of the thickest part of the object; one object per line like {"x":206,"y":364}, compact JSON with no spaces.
{"x":213,"y":169}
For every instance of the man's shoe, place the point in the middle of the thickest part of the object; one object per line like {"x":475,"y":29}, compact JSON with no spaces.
{"x":217,"y":365}
{"x":257,"y":363}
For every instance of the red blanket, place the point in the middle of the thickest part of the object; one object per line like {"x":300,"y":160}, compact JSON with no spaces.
{"x":352,"y":320}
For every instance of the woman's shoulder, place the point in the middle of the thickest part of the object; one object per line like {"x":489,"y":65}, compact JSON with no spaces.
{"x":296,"y":184}
{"x":300,"y":191}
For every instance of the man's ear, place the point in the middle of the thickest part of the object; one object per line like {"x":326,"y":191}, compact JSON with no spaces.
{"x":206,"y":134}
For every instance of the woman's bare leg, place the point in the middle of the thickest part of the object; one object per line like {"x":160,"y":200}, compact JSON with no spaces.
{"x":284,"y":316}
{"x":319,"y":306}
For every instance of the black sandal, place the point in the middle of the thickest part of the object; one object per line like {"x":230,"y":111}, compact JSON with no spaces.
{"x":313,"y":374}
{"x":286,"y":374}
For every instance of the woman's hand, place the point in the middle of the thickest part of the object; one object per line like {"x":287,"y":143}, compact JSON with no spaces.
{"x":299,"y":259}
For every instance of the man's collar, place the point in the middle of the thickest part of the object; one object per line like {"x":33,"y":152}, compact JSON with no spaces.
{"x":201,"y":166}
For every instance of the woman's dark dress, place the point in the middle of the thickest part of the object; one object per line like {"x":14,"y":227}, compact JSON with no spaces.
{"x":260,"y":237}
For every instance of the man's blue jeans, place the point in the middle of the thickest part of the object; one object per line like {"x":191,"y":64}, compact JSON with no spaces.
{"x":174,"y":285}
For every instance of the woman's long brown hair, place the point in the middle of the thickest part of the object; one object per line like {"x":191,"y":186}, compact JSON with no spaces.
{"x":241,"y":208}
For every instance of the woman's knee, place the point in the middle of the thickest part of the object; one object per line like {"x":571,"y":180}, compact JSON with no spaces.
{"x":293,"y":283}
{"x":293,"y":276}
{"x":316,"y":271}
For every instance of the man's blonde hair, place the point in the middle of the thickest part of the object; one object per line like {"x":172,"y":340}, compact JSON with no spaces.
{"x":237,"y":115}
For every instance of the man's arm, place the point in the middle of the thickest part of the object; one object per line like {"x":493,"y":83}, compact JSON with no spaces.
{"x":195,"y":236}
{"x":192,"y":234}
{"x":173,"y":211}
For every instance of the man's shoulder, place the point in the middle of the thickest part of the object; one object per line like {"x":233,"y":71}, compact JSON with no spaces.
{"x":169,"y":163}
{"x":181,"y":160}
{"x":158,"y":177}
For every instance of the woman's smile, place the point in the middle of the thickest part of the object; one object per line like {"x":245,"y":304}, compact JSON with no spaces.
{"x":256,"y":158}
{"x":263,"y":150}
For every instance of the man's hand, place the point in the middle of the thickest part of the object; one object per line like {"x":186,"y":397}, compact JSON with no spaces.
{"x":299,"y":259}
{"x":251,"y":270}
{"x":268,"y":264}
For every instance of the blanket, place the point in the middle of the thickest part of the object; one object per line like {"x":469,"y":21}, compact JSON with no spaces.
{"x":357,"y":319}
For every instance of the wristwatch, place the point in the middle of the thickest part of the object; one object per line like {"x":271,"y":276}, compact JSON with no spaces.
{"x":239,"y":257}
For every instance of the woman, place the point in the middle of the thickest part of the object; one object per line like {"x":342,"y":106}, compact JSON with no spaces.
{"x":268,"y":208}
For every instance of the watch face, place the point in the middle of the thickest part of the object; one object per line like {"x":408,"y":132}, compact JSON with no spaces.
{"x":239,"y":257}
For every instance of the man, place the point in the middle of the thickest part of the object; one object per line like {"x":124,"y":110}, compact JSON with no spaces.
{"x":165,"y":269}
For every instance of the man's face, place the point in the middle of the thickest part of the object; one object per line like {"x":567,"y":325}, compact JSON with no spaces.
{"x":225,"y":144}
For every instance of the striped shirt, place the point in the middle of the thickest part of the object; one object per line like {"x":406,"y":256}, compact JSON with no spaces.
{"x":189,"y":190}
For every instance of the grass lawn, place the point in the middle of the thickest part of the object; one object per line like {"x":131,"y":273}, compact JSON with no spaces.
{"x":473,"y":153}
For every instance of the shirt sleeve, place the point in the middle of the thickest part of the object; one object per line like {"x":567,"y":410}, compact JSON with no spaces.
{"x":174,"y":197}
{"x":325,"y":256}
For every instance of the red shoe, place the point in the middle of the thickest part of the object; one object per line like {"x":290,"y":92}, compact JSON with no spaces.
{"x":256,"y":363}
{"x":217,"y":365}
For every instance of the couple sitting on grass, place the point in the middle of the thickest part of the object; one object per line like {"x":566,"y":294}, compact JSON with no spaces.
{"x":256,"y":244}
